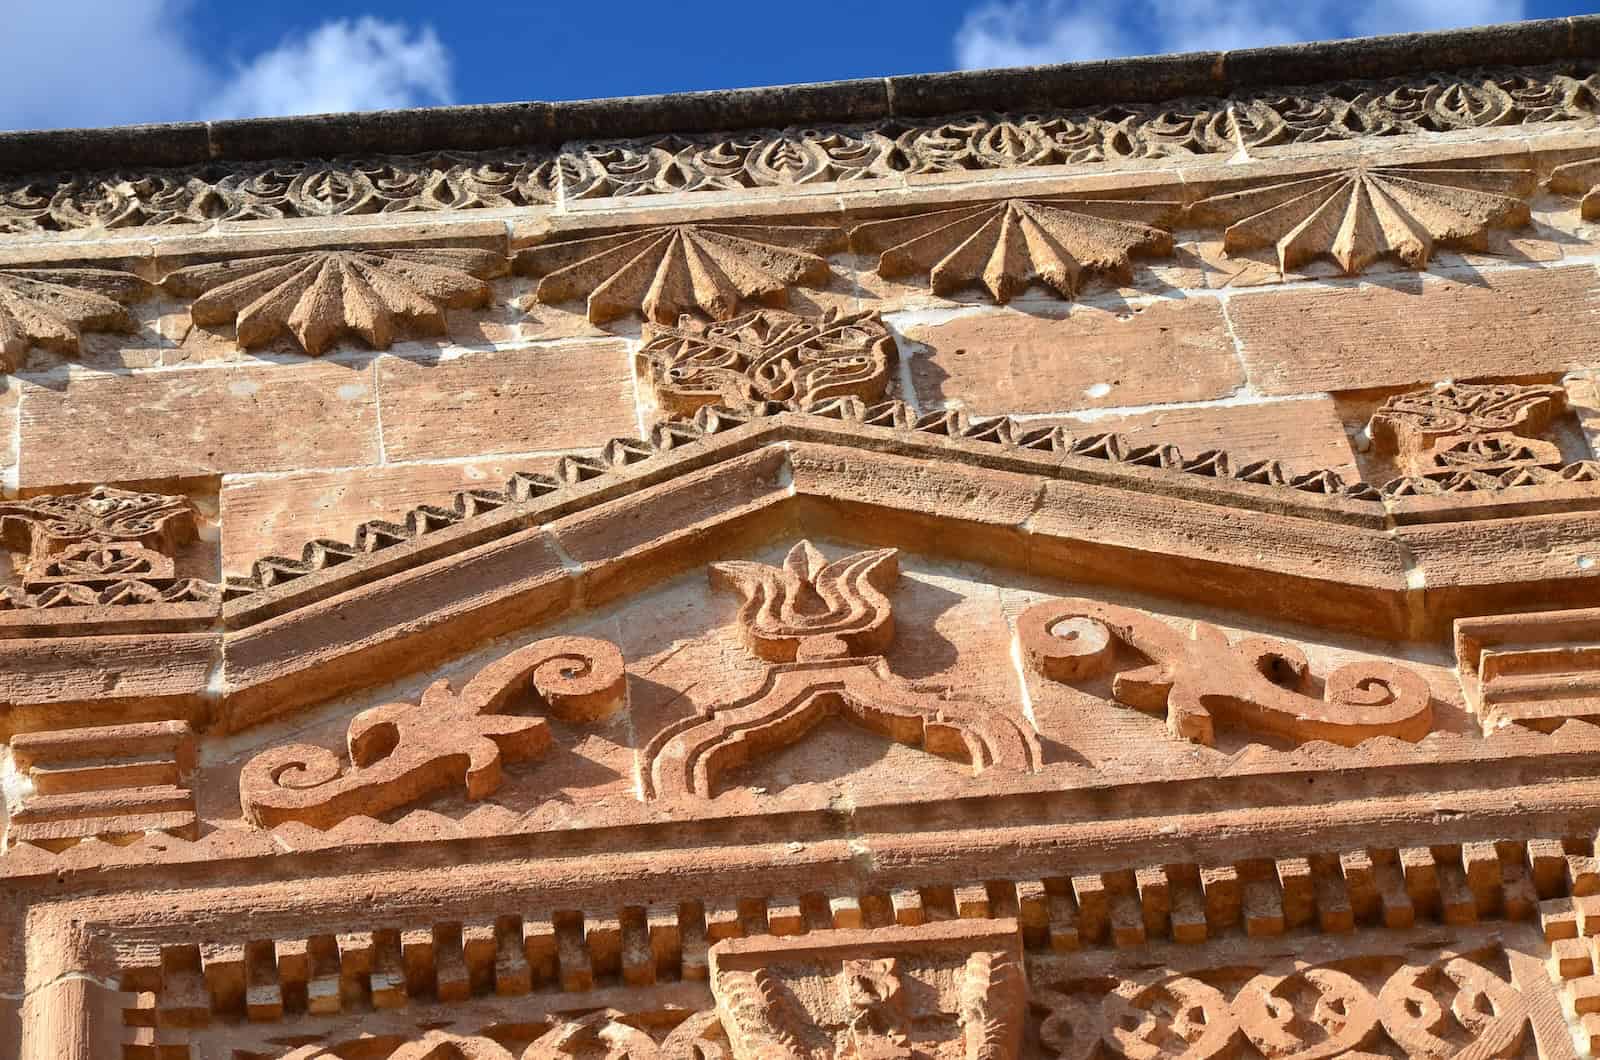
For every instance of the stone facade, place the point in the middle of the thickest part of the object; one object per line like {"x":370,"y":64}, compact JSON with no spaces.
{"x":1098,"y":561}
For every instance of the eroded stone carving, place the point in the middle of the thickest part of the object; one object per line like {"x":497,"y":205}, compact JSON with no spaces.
{"x":1259,"y":683}
{"x":1356,"y":216}
{"x":320,"y":295}
{"x":767,"y":355}
{"x":1007,"y":246}
{"x":52,"y":307}
{"x":606,"y":1033}
{"x":1469,"y":427}
{"x":400,"y":752}
{"x":667,"y":271}
{"x":951,"y":990}
{"x":824,"y":626}
{"x":1459,"y":1004}
{"x":1581,"y":178}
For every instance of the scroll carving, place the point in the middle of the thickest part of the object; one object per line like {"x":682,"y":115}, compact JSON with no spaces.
{"x":1259,"y":683}
{"x":400,"y":752}
{"x":320,"y":295}
{"x":767,"y":355}
{"x":667,"y":271}
{"x":1005,"y":247}
{"x":1359,"y":215}
{"x":604,"y":1033}
{"x":823,"y":626}
{"x":52,"y":307}
{"x":1470,"y":427}
{"x":1461,"y":1004}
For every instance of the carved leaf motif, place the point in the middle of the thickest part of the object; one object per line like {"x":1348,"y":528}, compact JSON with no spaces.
{"x":1357,"y":216}
{"x":1260,"y":683}
{"x":671,"y":270}
{"x":52,"y":307}
{"x":1007,"y":246}
{"x":810,"y":608}
{"x":319,"y":295}
{"x":402,"y":751}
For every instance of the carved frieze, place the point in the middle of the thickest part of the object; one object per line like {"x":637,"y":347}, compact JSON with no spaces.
{"x":824,"y":627}
{"x":400,"y":752}
{"x":1005,"y":247}
{"x":1356,"y":216}
{"x":1195,"y":681}
{"x":53,"y":307}
{"x":767,"y":355}
{"x":317,"y":296}
{"x":667,"y":271}
{"x":801,"y":155}
{"x":1470,"y":427}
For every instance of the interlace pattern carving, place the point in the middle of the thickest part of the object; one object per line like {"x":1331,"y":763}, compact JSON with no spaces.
{"x":823,"y":626}
{"x":767,"y":356}
{"x":1359,"y":215}
{"x":1439,"y":102}
{"x":53,"y":307}
{"x":1005,"y":247}
{"x":1460,"y":1004}
{"x":320,"y":295}
{"x":668,"y":271}
{"x":401,"y":752}
{"x":606,"y":1033}
{"x":1259,"y":683}
{"x":1470,"y":427}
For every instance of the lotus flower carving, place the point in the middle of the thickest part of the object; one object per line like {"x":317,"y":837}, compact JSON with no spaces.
{"x":667,"y":271}
{"x":1007,"y":246}
{"x":51,"y":308}
{"x":320,"y":295}
{"x":810,"y":608}
{"x":1359,"y":215}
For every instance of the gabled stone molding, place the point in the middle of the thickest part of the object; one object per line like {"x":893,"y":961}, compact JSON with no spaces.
{"x":803,"y":156}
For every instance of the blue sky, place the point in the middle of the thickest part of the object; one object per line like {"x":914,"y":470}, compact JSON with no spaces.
{"x":96,"y":62}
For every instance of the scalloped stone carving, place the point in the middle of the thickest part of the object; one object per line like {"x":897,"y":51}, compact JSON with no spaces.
{"x":1006,"y":247}
{"x":668,"y":271}
{"x":767,"y":355}
{"x":1356,"y":216}
{"x":51,"y":308}
{"x":319,"y":295}
{"x":1259,"y":683}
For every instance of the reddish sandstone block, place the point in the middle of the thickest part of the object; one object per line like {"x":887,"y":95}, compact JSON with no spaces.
{"x":1416,"y":329}
{"x":1004,"y":360}
{"x":199,"y":421}
{"x":507,"y":401}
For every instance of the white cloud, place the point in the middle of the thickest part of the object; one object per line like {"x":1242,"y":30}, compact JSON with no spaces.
{"x":108,"y":62}
{"x":1030,"y":32}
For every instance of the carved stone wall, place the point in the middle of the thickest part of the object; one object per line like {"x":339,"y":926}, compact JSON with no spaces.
{"x":1117,"y":579}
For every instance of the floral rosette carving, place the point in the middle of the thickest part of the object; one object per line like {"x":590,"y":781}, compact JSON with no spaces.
{"x":1260,"y":683}
{"x":400,"y":752}
{"x":767,"y":356}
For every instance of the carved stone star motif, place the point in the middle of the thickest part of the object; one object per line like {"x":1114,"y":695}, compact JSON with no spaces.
{"x":667,"y":271}
{"x":52,"y":307}
{"x":1359,"y":215}
{"x":320,"y":295}
{"x":1005,"y":247}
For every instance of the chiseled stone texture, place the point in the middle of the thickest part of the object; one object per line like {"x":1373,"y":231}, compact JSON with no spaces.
{"x":537,"y":398}
{"x":1013,"y":360}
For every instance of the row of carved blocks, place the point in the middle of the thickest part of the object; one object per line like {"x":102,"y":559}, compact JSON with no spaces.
{"x":189,"y":985}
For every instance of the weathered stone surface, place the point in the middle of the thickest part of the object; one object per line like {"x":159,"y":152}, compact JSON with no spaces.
{"x":191,"y":422}
{"x":565,"y":396}
{"x":1456,"y":325}
{"x":1009,"y":361}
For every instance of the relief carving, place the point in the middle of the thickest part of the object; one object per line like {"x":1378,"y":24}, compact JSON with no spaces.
{"x":949,"y":991}
{"x":53,"y":307}
{"x":603,"y":1035}
{"x":1536,"y":670}
{"x":1359,"y":215}
{"x":1469,"y":427}
{"x":1006,"y":247}
{"x":400,"y":752}
{"x":767,"y":355}
{"x":1259,"y":683}
{"x":1581,"y":178}
{"x":317,"y":296}
{"x":668,"y":271}
{"x":824,"y":627}
{"x":1459,"y":1004}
